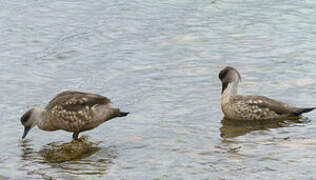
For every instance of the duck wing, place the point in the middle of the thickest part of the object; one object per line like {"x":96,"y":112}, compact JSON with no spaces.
{"x":268,"y":104}
{"x":76,"y":100}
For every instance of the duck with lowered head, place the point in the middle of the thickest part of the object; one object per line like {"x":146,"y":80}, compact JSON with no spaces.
{"x":239,"y":107}
{"x":71,"y":111}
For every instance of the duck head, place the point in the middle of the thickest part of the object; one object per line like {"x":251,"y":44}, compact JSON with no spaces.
{"x":229,"y":75}
{"x":29,"y":119}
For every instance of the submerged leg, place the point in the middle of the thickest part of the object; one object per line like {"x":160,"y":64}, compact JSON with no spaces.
{"x":75,"y":135}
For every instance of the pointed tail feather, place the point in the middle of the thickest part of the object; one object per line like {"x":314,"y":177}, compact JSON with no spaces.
{"x":122,"y":114}
{"x":303,"y":110}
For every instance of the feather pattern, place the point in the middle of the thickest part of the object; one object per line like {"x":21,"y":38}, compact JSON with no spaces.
{"x":239,"y":107}
{"x":72,"y":111}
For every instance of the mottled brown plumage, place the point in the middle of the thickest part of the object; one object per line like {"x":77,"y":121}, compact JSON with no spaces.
{"x":72,"y":111}
{"x":239,"y":107}
{"x":70,"y":98}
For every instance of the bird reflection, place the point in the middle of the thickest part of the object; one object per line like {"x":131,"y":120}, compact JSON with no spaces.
{"x":233,"y":128}
{"x":76,"y":157}
{"x":27,"y":150}
{"x":74,"y":150}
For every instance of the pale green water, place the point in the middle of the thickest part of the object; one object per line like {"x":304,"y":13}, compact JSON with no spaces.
{"x":160,"y":61}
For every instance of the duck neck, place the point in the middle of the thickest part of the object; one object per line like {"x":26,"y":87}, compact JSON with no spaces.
{"x":229,"y":89}
{"x":39,"y":116}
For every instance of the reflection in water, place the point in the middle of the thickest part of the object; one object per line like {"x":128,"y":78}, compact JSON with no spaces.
{"x":73,"y":159}
{"x":74,"y":150}
{"x":159,"y":60}
{"x":233,"y":128}
{"x":28,"y":151}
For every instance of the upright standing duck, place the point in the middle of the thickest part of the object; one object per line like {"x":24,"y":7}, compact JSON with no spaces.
{"x":72,"y":111}
{"x":239,"y":107}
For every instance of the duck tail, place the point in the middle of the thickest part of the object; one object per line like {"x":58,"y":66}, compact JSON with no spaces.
{"x":122,"y":114}
{"x":303,"y":110}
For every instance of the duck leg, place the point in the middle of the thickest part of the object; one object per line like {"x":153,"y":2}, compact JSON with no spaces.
{"x":75,"y":135}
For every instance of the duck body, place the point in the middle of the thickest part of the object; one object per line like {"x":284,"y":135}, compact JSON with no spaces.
{"x":239,"y":107}
{"x":259,"y":108}
{"x":72,"y":111}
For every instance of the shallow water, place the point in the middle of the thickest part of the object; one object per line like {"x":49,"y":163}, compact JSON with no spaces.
{"x":160,"y":61}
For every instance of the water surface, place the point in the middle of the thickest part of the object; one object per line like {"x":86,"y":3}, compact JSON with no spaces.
{"x":160,"y":61}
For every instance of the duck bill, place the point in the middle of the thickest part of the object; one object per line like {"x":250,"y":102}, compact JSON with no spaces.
{"x":224,"y":86}
{"x":26,"y":130}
